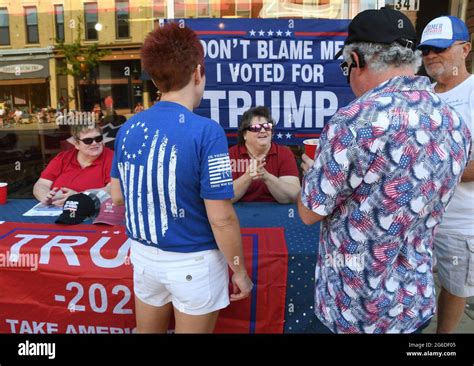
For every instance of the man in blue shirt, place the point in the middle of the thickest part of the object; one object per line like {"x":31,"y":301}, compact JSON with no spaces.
{"x":172,"y":170}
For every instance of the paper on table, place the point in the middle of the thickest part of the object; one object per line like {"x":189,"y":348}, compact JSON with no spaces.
{"x":44,"y":210}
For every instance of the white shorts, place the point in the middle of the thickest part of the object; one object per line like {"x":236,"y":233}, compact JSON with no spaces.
{"x":455,"y":263}
{"x":196,"y":283}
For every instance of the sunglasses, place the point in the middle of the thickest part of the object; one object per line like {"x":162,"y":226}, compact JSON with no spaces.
{"x":258,"y":127}
{"x":425,"y":51}
{"x":90,"y":140}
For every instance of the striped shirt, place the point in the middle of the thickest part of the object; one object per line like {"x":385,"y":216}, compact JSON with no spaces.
{"x":169,"y":160}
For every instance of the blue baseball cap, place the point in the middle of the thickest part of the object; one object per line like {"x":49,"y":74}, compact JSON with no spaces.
{"x":442,"y":32}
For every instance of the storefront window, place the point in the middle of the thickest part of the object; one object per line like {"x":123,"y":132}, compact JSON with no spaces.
{"x":32,"y":76}
{"x":4,"y":27}
{"x":31,"y":19}
{"x":118,"y":79}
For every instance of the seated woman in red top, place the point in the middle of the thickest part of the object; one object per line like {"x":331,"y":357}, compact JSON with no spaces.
{"x":77,"y":170}
{"x":262,"y":171}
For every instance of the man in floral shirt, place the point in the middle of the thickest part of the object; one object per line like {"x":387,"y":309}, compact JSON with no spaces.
{"x":385,"y":170}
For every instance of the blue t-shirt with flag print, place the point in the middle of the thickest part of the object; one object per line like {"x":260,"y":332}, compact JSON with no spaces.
{"x":169,"y":160}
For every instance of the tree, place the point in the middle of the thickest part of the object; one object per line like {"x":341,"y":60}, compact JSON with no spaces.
{"x":80,"y":60}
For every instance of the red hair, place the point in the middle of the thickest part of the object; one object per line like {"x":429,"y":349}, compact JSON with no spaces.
{"x":170,"y":54}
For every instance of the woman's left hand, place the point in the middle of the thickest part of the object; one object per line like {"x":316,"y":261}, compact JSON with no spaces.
{"x":263,"y":174}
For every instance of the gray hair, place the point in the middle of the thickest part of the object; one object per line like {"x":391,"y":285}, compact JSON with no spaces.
{"x":379,"y":57}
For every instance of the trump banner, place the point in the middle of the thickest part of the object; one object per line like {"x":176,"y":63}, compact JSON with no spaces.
{"x":78,"y":280}
{"x":287,"y":65}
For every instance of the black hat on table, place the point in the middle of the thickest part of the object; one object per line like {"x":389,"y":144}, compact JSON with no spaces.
{"x":77,"y":208}
{"x":383,"y":26}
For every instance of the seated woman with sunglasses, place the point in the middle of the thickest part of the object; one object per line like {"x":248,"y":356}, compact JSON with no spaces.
{"x":262,"y":171}
{"x":77,"y":170}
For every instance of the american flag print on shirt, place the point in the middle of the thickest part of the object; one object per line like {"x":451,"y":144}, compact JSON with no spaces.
{"x":133,"y":175}
{"x":220,"y":172}
{"x":386,"y":168}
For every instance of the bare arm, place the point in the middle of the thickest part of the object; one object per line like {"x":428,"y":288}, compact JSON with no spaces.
{"x":283,"y":189}
{"x":226,"y":229}
{"x":42,"y":190}
{"x":468,"y":174}
{"x":307,"y":216}
{"x":241,"y":185}
{"x":116,"y":192}
{"x":107,"y":188}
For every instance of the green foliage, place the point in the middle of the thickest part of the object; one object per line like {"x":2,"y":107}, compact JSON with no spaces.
{"x":79,"y":59}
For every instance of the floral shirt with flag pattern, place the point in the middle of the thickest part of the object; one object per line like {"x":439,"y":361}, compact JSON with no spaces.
{"x":385,"y":170}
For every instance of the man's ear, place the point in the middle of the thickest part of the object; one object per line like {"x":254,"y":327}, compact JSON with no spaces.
{"x":466,"y":48}
{"x":358,"y":59}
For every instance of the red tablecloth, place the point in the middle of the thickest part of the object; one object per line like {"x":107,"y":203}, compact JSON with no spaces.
{"x":78,"y":279}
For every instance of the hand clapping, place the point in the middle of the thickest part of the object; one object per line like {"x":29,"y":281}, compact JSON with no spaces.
{"x":256,"y":169}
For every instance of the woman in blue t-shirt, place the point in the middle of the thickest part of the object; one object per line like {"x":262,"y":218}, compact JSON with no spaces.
{"x":172,"y":171}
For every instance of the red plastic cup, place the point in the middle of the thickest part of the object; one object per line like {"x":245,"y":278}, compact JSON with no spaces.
{"x":310,"y":147}
{"x":3,"y":193}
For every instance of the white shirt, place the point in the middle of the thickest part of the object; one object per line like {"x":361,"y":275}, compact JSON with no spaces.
{"x":459,"y":215}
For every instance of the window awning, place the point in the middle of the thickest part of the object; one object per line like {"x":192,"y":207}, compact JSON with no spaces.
{"x":24,"y":81}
